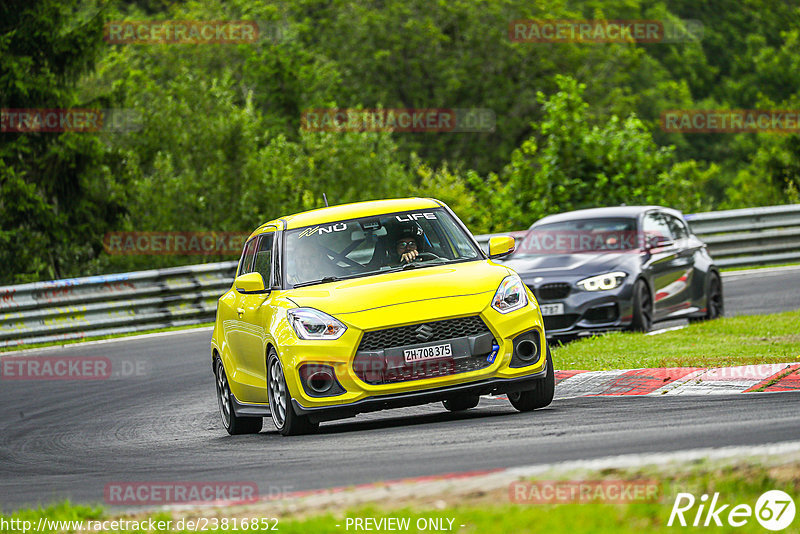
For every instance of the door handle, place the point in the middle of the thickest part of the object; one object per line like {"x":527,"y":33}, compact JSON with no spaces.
{"x":240,"y":311}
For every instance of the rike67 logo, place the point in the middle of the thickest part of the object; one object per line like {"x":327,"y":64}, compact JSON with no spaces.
{"x":774,"y":510}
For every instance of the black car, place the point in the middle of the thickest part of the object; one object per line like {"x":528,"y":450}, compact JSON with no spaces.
{"x":620,"y":268}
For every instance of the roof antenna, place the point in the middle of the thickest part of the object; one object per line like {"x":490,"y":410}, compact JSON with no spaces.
{"x":326,"y":199}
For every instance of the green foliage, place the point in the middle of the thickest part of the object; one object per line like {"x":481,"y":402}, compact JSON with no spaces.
{"x":56,"y":191}
{"x":570,"y":163}
{"x":221,"y":147}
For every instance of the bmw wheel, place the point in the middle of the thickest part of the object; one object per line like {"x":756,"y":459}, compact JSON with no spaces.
{"x":232,"y":422}
{"x":715,"y":306}
{"x":286,"y":420}
{"x":642,"y":307}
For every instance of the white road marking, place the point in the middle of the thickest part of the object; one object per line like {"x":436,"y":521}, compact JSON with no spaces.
{"x":682,"y":457}
{"x":670,"y":329}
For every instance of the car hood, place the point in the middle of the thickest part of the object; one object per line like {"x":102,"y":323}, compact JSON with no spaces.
{"x":571,"y":264}
{"x":389,"y":289}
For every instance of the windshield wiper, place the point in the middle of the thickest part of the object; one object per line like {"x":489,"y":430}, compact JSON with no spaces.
{"x":324,"y":280}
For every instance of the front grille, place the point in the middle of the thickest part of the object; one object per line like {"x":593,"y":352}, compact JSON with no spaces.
{"x":552,"y":291}
{"x":374,"y":369}
{"x":558,"y":322}
{"x":431,"y":369}
{"x":407,"y":335}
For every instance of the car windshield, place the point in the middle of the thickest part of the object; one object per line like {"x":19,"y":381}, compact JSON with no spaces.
{"x":581,"y":236}
{"x":370,"y":245}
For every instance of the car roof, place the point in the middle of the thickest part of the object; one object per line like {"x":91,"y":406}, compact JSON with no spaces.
{"x":603,"y":213}
{"x":348,"y":211}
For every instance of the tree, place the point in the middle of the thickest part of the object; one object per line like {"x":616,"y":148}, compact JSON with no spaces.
{"x":57,"y":191}
{"x":571,"y":164}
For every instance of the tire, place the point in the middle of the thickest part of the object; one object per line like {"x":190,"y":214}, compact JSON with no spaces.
{"x":541,"y":395}
{"x":715,"y":305}
{"x":285,"y":419}
{"x":461,"y":403}
{"x":642,"y":307}
{"x":232,"y":422}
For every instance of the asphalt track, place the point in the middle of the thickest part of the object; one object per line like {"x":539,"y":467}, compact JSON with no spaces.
{"x":157,"y":421}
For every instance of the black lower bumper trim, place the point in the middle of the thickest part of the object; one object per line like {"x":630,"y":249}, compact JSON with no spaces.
{"x":415,"y":398}
{"x":242,"y":409}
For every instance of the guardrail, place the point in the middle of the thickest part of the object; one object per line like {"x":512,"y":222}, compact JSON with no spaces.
{"x":737,"y":238}
{"x":754,"y":236}
{"x":130,"y":302}
{"x":112,"y":304}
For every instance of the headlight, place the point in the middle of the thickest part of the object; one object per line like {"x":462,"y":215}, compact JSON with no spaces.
{"x":309,"y":323}
{"x":603,"y":282}
{"x":510,"y":295}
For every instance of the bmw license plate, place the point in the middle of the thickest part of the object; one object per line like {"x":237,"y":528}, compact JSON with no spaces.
{"x":552,"y":309}
{"x":427,"y":353}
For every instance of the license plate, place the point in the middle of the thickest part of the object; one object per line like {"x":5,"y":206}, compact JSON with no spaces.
{"x":552,"y":309}
{"x":427,"y":353}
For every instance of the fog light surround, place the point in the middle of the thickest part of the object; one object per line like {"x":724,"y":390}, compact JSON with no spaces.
{"x":320,"y":380}
{"x":527,"y":349}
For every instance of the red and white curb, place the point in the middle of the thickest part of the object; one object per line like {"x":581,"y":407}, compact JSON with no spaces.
{"x":679,"y":380}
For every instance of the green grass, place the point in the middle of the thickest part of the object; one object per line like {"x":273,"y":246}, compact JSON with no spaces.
{"x":750,"y":267}
{"x":96,"y":338}
{"x":742,"y":340}
{"x":738,"y":481}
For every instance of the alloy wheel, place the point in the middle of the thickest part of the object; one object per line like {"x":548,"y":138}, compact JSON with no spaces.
{"x":715,"y":306}
{"x":223,"y":395}
{"x":278,"y":395}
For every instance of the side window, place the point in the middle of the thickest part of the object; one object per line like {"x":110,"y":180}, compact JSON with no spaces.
{"x":246,"y":264}
{"x":678,"y":227}
{"x":263,"y":261}
{"x":656,"y":225}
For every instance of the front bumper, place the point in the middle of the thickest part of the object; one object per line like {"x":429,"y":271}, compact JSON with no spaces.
{"x":416,"y":398}
{"x":587,"y":312}
{"x":340,"y":355}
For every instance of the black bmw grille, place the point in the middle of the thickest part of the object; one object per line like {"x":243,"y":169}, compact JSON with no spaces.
{"x":552,"y":291}
{"x":407,"y":335}
{"x":559,"y":322}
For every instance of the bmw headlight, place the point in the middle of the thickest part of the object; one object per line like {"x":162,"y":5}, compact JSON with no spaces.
{"x":603,"y":282}
{"x":309,"y":323}
{"x":510,"y":295}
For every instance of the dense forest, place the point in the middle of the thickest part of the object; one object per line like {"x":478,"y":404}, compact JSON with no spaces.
{"x":217,"y":143}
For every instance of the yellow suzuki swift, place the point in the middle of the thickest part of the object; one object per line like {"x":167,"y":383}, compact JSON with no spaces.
{"x":368,"y":306}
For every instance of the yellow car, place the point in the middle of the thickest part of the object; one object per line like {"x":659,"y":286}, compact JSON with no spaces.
{"x":369,"y":306}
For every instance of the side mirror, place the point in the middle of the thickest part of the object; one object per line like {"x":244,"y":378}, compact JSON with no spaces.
{"x":250,"y":283}
{"x":501,"y":246}
{"x":657,"y":241}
